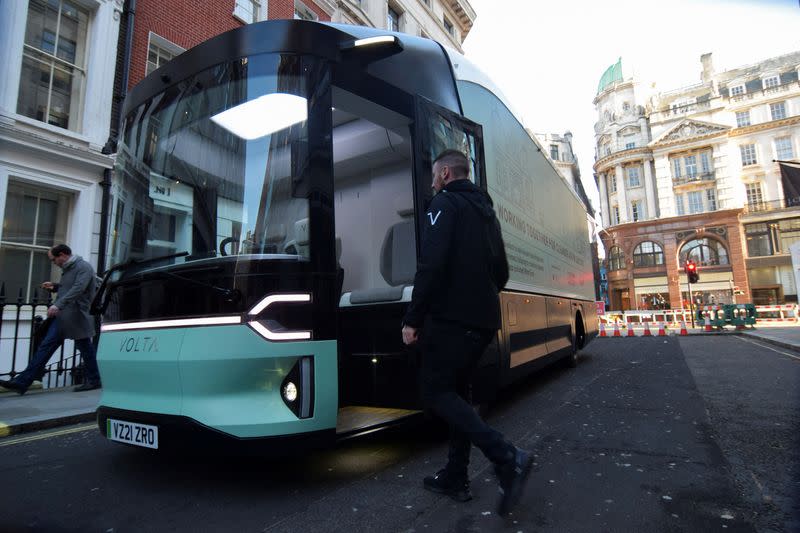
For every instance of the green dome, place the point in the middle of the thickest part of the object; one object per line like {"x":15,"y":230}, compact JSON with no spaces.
{"x":612,"y":74}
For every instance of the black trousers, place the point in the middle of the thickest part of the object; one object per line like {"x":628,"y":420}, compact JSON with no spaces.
{"x":450,"y":353}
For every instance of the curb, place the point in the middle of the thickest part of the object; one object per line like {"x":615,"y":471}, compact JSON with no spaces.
{"x":782,"y":344}
{"x":48,"y":423}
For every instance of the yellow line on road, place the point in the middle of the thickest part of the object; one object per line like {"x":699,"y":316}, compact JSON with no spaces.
{"x":40,"y":436}
{"x":767,"y":347}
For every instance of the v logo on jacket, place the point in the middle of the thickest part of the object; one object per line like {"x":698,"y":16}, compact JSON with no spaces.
{"x":434,"y":218}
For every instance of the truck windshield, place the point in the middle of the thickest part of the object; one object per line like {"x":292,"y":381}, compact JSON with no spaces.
{"x":215,"y":165}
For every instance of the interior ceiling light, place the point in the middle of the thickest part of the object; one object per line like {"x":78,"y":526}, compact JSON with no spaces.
{"x":264,"y":115}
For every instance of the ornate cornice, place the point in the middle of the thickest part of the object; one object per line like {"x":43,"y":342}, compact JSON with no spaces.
{"x":790,"y":121}
{"x":623,"y":156}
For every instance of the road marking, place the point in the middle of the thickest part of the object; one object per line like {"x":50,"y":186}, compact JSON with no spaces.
{"x":767,"y":347}
{"x":31,"y":438}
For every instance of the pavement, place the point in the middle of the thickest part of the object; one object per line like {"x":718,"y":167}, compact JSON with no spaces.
{"x":43,"y":409}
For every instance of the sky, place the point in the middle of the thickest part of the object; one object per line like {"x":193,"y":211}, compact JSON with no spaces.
{"x":548,"y":57}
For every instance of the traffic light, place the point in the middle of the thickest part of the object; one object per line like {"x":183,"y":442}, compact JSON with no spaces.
{"x":691,"y":271}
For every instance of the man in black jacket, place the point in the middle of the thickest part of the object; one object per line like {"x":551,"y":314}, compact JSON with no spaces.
{"x":461,"y":269}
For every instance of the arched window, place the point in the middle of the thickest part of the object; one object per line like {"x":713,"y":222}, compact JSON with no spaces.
{"x":704,"y":252}
{"x":616,"y":259}
{"x":648,"y":254}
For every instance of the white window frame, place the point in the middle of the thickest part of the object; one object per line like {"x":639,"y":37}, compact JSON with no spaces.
{"x":614,"y":215}
{"x":742,"y":118}
{"x":612,"y":183}
{"x":637,"y":213}
{"x":737,"y":90}
{"x":754,"y":193}
{"x":705,"y":162}
{"x":711,"y":199}
{"x":77,"y":95}
{"x":303,"y":12}
{"x":695,"y":202}
{"x":690,"y":165}
{"x":249,"y":11}
{"x":777,"y":105}
{"x":785,"y":155}
{"x":154,"y":39}
{"x":679,"y":205}
{"x":748,"y":154}
{"x":449,"y":27}
{"x":633,"y":173}
{"x":773,"y":80}
{"x":676,"y":167}
{"x":393,"y":8}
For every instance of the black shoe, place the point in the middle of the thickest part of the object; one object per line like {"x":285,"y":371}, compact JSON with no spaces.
{"x":13,"y":385}
{"x":512,"y":477}
{"x":455,"y":487}
{"x":87,"y":386}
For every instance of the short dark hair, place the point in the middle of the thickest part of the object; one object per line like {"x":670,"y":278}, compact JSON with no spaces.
{"x":455,"y":160}
{"x":60,"y":249}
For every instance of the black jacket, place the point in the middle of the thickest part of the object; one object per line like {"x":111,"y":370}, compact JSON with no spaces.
{"x":462,"y":264}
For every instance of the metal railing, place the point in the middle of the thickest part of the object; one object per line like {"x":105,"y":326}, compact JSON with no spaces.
{"x":20,"y":322}
{"x":694,"y":178}
{"x":771,"y":205}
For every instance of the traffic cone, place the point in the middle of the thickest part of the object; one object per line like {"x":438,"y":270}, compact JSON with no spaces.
{"x":616,"y":329}
{"x":647,"y":329}
{"x":661,"y":331}
{"x":708,"y":324}
{"x":603,"y":329}
{"x":630,"y":331}
{"x":683,"y":328}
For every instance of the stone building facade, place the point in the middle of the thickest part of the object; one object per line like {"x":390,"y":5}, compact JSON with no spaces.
{"x":693,"y":174}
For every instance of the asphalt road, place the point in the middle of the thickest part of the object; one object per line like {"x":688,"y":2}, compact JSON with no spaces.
{"x":647,"y":434}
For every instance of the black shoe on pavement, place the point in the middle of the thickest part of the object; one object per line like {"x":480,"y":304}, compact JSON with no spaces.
{"x":512,"y":477}
{"x":13,"y":385}
{"x":87,"y":386}
{"x":455,"y":487}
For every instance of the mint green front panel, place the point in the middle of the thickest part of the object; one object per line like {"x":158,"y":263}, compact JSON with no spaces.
{"x":140,"y":371}
{"x":231,"y":379}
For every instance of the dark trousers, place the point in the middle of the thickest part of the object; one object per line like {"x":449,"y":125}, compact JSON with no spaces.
{"x":450,"y":353}
{"x":52,"y":340}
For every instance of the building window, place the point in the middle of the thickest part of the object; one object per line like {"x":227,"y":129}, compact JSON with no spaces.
{"x":742,"y":118}
{"x":771,"y":81}
{"x":554,"y":152}
{"x":737,"y":90}
{"x":755,"y":198}
{"x":759,"y":240}
{"x":247,"y":10}
{"x":626,"y":106}
{"x":392,"y":19}
{"x":748,"y":152}
{"x":704,"y":252}
{"x":612,"y":183}
{"x":711,"y":199}
{"x":783,"y":148}
{"x":303,"y":12}
{"x":53,"y":75}
{"x":788,"y":233}
{"x":679,"y":207}
{"x":695,"y":199}
{"x":616,"y":259}
{"x":648,"y":254}
{"x":636,"y":210}
{"x":34,"y":220}
{"x":633,"y":176}
{"x":690,"y":161}
{"x":777,"y":110}
{"x":705,"y":163}
{"x":160,"y":51}
{"x":448,"y":27}
{"x":676,"y":167}
{"x":614,"y":215}
{"x":629,"y":141}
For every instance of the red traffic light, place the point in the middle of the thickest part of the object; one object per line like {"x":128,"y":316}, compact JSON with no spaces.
{"x":691,"y":266}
